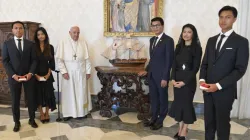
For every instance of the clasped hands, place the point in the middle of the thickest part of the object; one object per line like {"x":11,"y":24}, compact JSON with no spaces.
{"x":178,"y":84}
{"x":38,"y":77}
{"x":27,"y":76}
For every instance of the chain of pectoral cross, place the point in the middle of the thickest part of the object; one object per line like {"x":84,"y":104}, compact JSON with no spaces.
{"x":74,"y":53}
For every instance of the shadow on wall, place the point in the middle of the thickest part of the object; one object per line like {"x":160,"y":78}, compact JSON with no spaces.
{"x":95,"y":49}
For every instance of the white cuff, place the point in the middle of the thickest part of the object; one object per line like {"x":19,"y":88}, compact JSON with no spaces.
{"x":218,"y":86}
{"x":88,"y":66}
{"x":202,"y":80}
{"x":63,"y":71}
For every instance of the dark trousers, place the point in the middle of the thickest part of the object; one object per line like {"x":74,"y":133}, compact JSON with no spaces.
{"x":217,"y":107}
{"x":15,"y":89}
{"x":158,"y":100}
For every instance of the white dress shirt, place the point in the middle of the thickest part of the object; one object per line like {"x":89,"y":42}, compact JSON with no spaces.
{"x":227,"y":34}
{"x":156,"y":41}
{"x":16,"y":41}
{"x":159,"y":37}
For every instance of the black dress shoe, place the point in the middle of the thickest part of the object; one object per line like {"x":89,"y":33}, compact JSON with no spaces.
{"x":156,"y":126}
{"x":33,"y":123}
{"x":182,"y":138}
{"x":176,"y":136}
{"x":17,"y":127}
{"x":148,"y":123}
{"x":67,"y":118}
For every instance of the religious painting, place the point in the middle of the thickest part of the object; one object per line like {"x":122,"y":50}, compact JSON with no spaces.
{"x":130,"y":17}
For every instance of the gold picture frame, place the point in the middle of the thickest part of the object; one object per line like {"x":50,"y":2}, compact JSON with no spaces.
{"x":131,"y":17}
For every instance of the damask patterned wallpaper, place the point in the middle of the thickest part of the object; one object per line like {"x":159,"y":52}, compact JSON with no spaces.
{"x":57,"y":16}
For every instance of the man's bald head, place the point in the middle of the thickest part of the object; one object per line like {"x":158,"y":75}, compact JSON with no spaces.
{"x":74,"y":32}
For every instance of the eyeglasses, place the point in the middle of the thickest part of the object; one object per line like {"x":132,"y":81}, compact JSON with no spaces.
{"x":155,"y":26}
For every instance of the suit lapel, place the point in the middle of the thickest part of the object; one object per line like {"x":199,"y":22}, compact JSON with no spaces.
{"x":14,"y":44}
{"x":152,"y":48}
{"x":15,"y":47}
{"x":151,"y":44}
{"x":24,"y":45}
{"x":214,"y":47}
{"x":158,"y":43}
{"x":223,"y":48}
{"x":160,"y":40}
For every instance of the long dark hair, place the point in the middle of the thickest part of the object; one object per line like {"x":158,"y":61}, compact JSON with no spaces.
{"x":195,"y":38}
{"x":47,"y":49}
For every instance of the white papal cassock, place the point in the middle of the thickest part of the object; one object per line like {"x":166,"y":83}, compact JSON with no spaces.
{"x":73,"y":58}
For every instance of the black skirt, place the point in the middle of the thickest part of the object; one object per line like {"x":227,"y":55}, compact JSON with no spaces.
{"x":45,"y":94}
{"x":182,"y":108}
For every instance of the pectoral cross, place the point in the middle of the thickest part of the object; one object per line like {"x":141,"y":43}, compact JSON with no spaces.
{"x":183,"y":67}
{"x":75,"y":56}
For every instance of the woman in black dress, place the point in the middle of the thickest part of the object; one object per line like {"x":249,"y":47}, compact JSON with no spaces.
{"x":185,"y":66}
{"x":46,"y":63}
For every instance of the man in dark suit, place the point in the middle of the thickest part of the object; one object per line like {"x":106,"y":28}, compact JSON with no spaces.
{"x":224,"y":63}
{"x":19,"y":60}
{"x":158,"y":70}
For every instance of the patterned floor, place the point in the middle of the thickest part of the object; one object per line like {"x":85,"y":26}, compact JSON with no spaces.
{"x":123,"y":125}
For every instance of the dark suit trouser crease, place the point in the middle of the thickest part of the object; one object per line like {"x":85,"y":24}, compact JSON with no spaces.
{"x":29,"y":95}
{"x":158,"y":101}
{"x":217,"y":107}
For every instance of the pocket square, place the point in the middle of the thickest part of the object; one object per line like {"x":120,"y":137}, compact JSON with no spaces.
{"x":229,"y":48}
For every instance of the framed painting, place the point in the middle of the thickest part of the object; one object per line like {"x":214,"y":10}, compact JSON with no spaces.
{"x":130,"y":17}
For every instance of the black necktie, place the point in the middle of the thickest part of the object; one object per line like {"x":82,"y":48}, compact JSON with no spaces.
{"x":218,"y":46}
{"x":20,"y":46}
{"x":154,"y":43}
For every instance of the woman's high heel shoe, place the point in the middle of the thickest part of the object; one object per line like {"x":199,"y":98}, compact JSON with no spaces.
{"x":48,"y":119}
{"x":42,"y":120}
{"x":180,"y":137}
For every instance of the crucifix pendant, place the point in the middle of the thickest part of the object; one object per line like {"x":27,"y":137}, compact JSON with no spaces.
{"x":74,"y":56}
{"x":183,"y":67}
